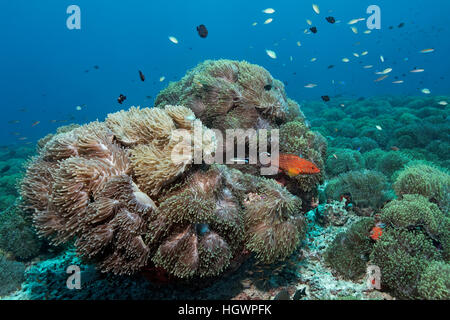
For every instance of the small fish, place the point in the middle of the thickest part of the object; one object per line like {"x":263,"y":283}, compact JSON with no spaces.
{"x":121,"y":98}
{"x":14,"y":121}
{"x":202,"y":31}
{"x":268,"y":21}
{"x":426,"y":91}
{"x":443,"y":103}
{"x":398,"y":81}
{"x":254,"y":23}
{"x":379,"y":128}
{"x":269,"y":10}
{"x":394,"y":148}
{"x":330,"y":66}
{"x":316,"y":8}
{"x":308,"y":22}
{"x":23,"y":138}
{"x":313,"y":59}
{"x":5,"y":169}
{"x":385,"y":71}
{"x":162,"y":79}
{"x":368,"y":66}
{"x":382,"y":58}
{"x":35,"y":123}
{"x":173,"y":39}
{"x":78,"y":108}
{"x":141,"y":76}
{"x":313,"y":29}
{"x":354,"y":29}
{"x":427,"y":50}
{"x":364,"y":53}
{"x":271,"y":54}
{"x":381,"y":78}
{"x":376,"y":233}
{"x":96,"y":67}
{"x":345,"y":60}
{"x":330,"y":20}
{"x":367,"y":31}
{"x":355,"y":54}
{"x":299,"y":44}
{"x":335,"y":156}
{"x":417,"y":70}
{"x":353,"y":21}
{"x":401,"y":25}
{"x":311,"y":85}
{"x":325,"y":98}
{"x":293,"y":165}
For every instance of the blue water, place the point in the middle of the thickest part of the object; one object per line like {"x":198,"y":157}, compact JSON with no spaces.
{"x":43,"y":64}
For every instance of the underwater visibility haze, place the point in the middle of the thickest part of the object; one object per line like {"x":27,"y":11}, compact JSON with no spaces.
{"x":106,"y":106}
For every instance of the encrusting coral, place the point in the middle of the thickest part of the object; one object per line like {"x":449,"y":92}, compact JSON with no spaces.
{"x":227,"y":94}
{"x":130,"y":194}
{"x":416,"y":235}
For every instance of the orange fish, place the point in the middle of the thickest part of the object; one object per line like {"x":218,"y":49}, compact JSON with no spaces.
{"x":394,"y":148}
{"x":293,"y":165}
{"x":376,"y":233}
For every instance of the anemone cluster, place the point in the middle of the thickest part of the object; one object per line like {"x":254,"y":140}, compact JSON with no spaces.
{"x":129,"y":195}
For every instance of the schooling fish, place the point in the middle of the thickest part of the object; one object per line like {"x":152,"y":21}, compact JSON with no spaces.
{"x":141,"y":76}
{"x":330,"y":20}
{"x":121,"y":98}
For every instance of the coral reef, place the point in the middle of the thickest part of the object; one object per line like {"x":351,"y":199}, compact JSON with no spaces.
{"x":426,"y":180}
{"x":17,"y":237}
{"x":365,"y":188}
{"x":227,"y":94}
{"x":11,"y":275}
{"x":434,"y":282}
{"x":130,"y":195}
{"x":343,"y":160}
{"x":416,"y":235}
{"x":349,"y":253}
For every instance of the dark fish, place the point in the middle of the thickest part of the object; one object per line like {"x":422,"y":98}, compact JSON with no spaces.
{"x":326,"y":98}
{"x":282,"y":295}
{"x":13,"y":121}
{"x":391,"y":27}
{"x":5,"y":169}
{"x":121,"y":98}
{"x":268,"y":87}
{"x":401,"y":25}
{"x":141,"y":75}
{"x":300,"y":293}
{"x":313,"y":29}
{"x":330,"y":19}
{"x":202,"y":31}
{"x":96,"y":67}
{"x":331,"y":66}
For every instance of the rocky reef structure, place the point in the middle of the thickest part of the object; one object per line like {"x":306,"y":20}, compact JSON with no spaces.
{"x":130,"y":196}
{"x":227,"y":94}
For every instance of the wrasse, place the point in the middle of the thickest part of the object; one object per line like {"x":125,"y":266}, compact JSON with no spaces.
{"x":35,"y":123}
